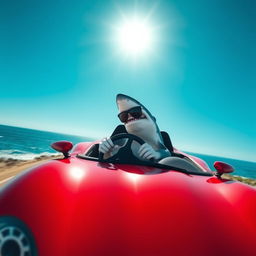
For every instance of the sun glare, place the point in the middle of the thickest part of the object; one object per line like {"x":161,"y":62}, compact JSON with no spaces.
{"x":77,"y":173}
{"x":134,"y":36}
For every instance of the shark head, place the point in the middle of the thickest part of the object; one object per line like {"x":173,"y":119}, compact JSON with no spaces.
{"x":145,"y":126}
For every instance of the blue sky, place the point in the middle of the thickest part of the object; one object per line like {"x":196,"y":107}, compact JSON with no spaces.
{"x":60,"y":70}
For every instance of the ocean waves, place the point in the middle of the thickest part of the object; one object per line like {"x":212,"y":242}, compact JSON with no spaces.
{"x":27,"y":144}
{"x":22,"y":155}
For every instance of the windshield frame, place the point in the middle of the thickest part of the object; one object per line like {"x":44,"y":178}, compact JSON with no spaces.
{"x":139,"y":163}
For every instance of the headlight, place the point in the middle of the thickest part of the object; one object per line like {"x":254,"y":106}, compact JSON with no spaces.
{"x":15,"y":238}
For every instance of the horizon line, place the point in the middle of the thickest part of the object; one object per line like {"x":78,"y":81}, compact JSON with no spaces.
{"x":91,"y":138}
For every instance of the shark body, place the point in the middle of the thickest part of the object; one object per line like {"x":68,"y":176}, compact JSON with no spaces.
{"x":144,"y":127}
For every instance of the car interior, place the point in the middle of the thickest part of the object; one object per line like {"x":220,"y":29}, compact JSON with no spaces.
{"x":177,"y":161}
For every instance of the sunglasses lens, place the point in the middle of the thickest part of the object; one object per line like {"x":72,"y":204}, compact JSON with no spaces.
{"x":123,"y":116}
{"x":136,"y":112}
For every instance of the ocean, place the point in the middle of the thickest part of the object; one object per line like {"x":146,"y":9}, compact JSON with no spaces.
{"x":27,"y":144}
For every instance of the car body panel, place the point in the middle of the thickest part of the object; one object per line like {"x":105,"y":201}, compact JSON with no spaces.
{"x":80,"y":207}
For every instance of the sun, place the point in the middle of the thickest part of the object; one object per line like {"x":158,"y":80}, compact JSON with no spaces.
{"x":134,"y":36}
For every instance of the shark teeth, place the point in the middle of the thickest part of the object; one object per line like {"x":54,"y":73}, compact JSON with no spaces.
{"x":135,"y":119}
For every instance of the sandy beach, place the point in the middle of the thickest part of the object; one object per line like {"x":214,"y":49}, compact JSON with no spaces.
{"x":245,"y":180}
{"x":11,"y":167}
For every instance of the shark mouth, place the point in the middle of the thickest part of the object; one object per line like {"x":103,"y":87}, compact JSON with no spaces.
{"x":132,"y":119}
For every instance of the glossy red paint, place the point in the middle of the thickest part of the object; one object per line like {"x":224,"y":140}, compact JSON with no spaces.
{"x":62,"y":146}
{"x":222,"y":167}
{"x":79,"y":207}
{"x":195,"y":159}
{"x":82,"y":147}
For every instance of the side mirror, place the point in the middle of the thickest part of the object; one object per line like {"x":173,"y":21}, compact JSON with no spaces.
{"x":222,"y":168}
{"x":62,"y":146}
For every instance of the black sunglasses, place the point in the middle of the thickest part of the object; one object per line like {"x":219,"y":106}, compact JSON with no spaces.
{"x":135,"y":112}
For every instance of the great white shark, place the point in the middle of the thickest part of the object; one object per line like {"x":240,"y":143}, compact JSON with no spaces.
{"x":144,"y":127}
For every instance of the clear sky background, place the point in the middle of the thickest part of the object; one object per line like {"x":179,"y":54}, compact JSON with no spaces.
{"x":60,"y":69}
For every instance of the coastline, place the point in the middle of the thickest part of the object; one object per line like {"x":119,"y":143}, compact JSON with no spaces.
{"x":248,"y":181}
{"x":10,"y":167}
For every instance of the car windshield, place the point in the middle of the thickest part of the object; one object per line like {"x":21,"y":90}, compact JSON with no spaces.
{"x":189,"y":166}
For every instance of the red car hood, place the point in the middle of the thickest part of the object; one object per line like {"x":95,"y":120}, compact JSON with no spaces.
{"x":80,"y":207}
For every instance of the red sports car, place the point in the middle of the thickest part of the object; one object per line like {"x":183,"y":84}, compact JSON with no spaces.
{"x":85,"y":204}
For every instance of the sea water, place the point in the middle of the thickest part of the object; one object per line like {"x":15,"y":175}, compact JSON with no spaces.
{"x":242,"y":168}
{"x":27,"y":144}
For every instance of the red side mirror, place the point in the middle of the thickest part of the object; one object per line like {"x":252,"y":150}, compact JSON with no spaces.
{"x":63,"y":147}
{"x":222,"y":167}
